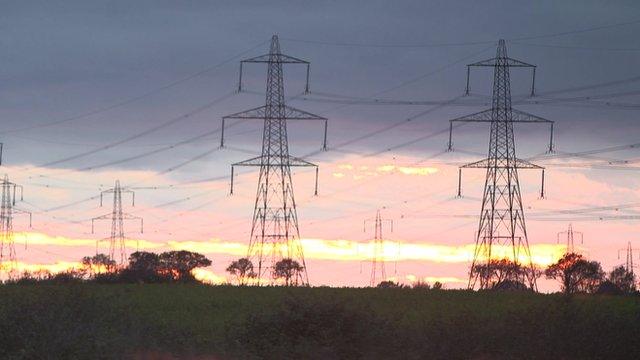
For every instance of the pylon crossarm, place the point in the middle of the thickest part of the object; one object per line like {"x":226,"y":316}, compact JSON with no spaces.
{"x":103,"y":217}
{"x":521,"y":116}
{"x":281,"y":58}
{"x":498,"y":62}
{"x":256,"y":161}
{"x":255,"y":113}
{"x":295,"y":161}
{"x":482,"y":116}
{"x":524,"y":117}
{"x":292,"y":113}
{"x":259,"y":113}
{"x":484,"y":163}
{"x":25,"y":212}
{"x":132,"y":217}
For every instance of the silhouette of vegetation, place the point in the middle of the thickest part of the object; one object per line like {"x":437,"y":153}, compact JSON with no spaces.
{"x":288,"y":270}
{"x":242,"y":270}
{"x":303,"y":328}
{"x":608,"y":288}
{"x":423,"y":285}
{"x":623,"y":279}
{"x":388,"y":284}
{"x":576,"y":274}
{"x":89,"y":320}
{"x":177,"y":265}
{"x":143,"y":267}
{"x":420,"y":284}
{"x":99,"y":263}
{"x":504,"y":274}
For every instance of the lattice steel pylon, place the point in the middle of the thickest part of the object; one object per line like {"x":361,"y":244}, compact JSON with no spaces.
{"x":629,"y":257}
{"x":274,"y":231}
{"x":570,"y":239}
{"x":7,"y":210}
{"x":117,"y":240}
{"x":378,"y":272}
{"x":502,"y":220}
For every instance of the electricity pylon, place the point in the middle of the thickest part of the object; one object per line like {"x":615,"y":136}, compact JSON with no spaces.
{"x":629,"y":260}
{"x":274,"y":232}
{"x":570,"y":234}
{"x":502,"y":216}
{"x":378,"y":272}
{"x":7,"y":211}
{"x":117,"y":240}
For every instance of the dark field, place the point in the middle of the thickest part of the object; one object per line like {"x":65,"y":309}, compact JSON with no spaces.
{"x":79,"y":321}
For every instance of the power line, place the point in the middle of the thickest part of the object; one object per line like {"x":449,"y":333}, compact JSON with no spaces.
{"x":591,"y":48}
{"x":468,"y":43}
{"x":132,"y":99}
{"x":140,"y":134}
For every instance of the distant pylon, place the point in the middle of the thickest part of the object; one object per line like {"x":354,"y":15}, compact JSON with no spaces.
{"x":502,"y":214}
{"x":274,"y":231}
{"x":117,"y":240}
{"x":629,"y":259}
{"x":7,"y":210}
{"x":570,"y":234}
{"x":378,"y":272}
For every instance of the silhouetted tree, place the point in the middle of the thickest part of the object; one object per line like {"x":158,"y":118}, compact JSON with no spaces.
{"x":143,"y":267}
{"x":608,"y":288}
{"x":623,"y":279}
{"x":505,"y":274}
{"x":420,"y":284}
{"x":388,"y":284}
{"x":242,"y":269}
{"x":289,"y":270}
{"x":98,"y":263}
{"x":177,"y":265}
{"x":576,"y":274}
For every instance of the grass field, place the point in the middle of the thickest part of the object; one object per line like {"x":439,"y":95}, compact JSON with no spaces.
{"x":80,"y":321}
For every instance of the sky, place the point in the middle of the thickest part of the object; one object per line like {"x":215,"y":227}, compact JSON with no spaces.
{"x":92,"y":92}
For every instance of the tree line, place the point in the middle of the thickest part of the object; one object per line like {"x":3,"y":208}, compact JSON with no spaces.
{"x":574,"y":273}
{"x":142,"y":267}
{"x":166,"y":267}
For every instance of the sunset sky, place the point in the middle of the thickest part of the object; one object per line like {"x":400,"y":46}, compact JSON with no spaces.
{"x":135,"y":91}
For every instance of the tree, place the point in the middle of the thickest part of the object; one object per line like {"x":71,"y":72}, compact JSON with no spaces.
{"x":420,"y":284}
{"x":623,"y":279}
{"x":99,"y":263}
{"x":608,"y":288}
{"x":437,"y":285}
{"x":289,"y":270}
{"x":388,"y":284}
{"x":576,"y":274}
{"x":143,"y":267}
{"x":504,"y":274}
{"x":242,"y":269}
{"x":177,"y":265}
